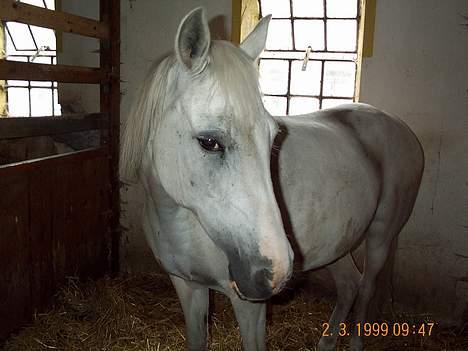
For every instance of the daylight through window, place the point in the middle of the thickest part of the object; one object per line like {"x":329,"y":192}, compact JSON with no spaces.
{"x":29,"y":43}
{"x":310,"y":57}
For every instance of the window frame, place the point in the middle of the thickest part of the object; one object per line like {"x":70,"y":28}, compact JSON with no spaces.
{"x":294,"y":51}
{"x":29,"y":55}
{"x":243,"y":11}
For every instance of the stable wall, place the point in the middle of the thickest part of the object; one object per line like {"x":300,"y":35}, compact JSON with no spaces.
{"x":419,"y":72}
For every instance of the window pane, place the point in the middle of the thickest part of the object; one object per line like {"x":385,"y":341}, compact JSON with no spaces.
{"x":44,"y":37}
{"x":18,"y":102}
{"x":279,"y":35}
{"x":40,"y":84}
{"x":341,"y":35}
{"x":38,"y":3}
{"x":21,"y":36}
{"x":339,"y":79}
{"x":17,"y":83}
{"x":302,"y":105}
{"x":41,"y":102}
{"x":57,"y":107}
{"x":275,"y":105}
{"x":44,"y":59}
{"x":276,"y":8}
{"x":340,"y":8}
{"x":309,"y":33}
{"x":274,"y":76}
{"x":50,"y":4}
{"x":328,"y":103}
{"x":18,"y":58}
{"x":307,"y":8}
{"x":305,"y":82}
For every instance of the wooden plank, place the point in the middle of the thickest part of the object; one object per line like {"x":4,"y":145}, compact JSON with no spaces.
{"x":59,"y":73}
{"x":12,"y":10}
{"x":21,"y":127}
{"x":81,"y":236}
{"x":15,"y":291}
{"x":54,"y":223}
{"x":42,"y":182}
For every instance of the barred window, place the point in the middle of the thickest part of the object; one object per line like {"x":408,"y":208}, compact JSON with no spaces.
{"x":310,"y":58}
{"x":28,"y":43}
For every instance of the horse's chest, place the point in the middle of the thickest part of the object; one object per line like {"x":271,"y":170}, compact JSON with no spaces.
{"x":330,"y":202}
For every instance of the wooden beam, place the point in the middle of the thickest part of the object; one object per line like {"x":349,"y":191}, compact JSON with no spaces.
{"x":369,"y":28}
{"x":21,"y":127}
{"x":59,"y":73}
{"x":12,"y":10}
{"x":110,"y":103}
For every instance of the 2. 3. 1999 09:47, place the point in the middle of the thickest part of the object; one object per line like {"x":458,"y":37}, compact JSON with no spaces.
{"x":381,"y":329}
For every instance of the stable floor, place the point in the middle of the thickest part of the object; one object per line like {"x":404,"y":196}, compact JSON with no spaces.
{"x":141,"y":312}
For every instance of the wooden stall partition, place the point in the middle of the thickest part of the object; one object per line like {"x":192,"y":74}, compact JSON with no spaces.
{"x":59,"y":215}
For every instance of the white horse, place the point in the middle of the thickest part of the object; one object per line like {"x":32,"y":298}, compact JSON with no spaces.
{"x":200,"y":140}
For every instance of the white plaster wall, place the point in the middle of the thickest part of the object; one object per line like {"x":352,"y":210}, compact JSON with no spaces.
{"x":148,"y":31}
{"x":81,"y":51}
{"x":419,"y":71}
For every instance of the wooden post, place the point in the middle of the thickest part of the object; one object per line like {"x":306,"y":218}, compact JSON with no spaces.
{"x":110,"y":104}
{"x":367,"y":10}
{"x":245,"y":16}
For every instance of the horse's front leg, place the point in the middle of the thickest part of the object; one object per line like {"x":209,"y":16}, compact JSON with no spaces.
{"x":195,"y":303}
{"x":251,"y":317}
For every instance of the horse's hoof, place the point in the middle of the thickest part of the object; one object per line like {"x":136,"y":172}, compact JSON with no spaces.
{"x":326,"y":344}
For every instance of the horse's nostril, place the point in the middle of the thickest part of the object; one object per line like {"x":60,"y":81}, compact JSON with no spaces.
{"x":263,"y":277}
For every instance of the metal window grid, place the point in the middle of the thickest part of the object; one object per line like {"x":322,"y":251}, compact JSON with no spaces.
{"x":325,"y":18}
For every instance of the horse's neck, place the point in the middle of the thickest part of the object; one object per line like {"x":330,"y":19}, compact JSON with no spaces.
{"x":170,"y":213}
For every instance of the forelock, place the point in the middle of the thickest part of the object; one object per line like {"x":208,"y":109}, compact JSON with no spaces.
{"x":236,"y":76}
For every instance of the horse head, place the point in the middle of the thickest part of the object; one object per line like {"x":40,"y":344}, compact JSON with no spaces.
{"x":212,"y":145}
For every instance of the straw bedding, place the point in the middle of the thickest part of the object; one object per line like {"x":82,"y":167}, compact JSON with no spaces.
{"x":141,"y":312}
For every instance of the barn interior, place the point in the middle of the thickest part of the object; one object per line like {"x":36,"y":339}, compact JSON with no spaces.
{"x":71,"y":240}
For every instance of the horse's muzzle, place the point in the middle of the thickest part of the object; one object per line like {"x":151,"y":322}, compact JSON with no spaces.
{"x":252,"y":283}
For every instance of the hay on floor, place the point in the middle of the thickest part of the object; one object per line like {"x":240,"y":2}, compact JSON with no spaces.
{"x":141,"y":312}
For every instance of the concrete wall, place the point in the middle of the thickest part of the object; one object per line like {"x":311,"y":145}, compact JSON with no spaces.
{"x":419,"y":72}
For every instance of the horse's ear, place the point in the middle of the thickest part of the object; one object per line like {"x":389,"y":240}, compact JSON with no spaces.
{"x":192,"y":41}
{"x":254,"y":44}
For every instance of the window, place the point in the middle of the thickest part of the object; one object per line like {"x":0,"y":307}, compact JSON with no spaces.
{"x":28,"y":43}
{"x":310,"y":58}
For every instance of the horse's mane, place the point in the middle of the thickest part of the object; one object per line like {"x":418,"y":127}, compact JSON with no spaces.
{"x":233,"y":73}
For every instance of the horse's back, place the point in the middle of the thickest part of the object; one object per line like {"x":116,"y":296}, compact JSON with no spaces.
{"x":333,"y":166}
{"x":387,"y":139}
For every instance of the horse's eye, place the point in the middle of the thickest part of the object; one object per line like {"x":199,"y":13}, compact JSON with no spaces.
{"x":210,"y":144}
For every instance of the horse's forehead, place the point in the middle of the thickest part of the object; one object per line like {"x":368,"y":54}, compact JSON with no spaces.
{"x":209,"y":108}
